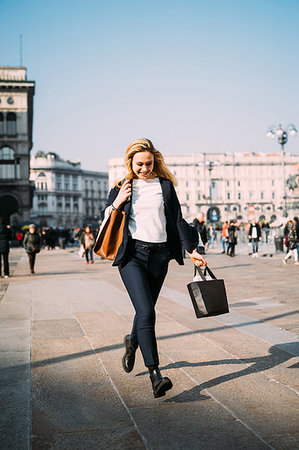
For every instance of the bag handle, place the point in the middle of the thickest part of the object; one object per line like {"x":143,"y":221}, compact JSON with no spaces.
{"x":203,"y":275}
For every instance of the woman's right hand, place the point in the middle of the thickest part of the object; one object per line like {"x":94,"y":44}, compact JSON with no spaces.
{"x":123,"y":195}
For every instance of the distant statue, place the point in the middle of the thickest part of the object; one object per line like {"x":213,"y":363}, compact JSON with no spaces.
{"x":292,"y":182}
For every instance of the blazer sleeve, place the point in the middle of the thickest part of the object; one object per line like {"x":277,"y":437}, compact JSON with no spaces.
{"x":111,"y":197}
{"x":189,"y":236}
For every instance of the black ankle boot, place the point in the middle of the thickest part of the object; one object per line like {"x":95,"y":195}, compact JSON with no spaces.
{"x":128,"y":360}
{"x":160,"y":384}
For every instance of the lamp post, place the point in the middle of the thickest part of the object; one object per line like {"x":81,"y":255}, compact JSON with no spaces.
{"x":210,"y":165}
{"x":282,"y":137}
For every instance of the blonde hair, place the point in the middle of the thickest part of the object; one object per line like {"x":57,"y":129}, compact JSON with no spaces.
{"x":145,"y":145}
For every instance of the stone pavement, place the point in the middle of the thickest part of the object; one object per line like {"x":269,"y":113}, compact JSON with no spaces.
{"x":61,"y":341}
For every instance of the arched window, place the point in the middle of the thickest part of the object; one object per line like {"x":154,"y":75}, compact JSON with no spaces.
{"x":11,"y":123}
{"x":1,"y":123}
{"x":9,"y":165}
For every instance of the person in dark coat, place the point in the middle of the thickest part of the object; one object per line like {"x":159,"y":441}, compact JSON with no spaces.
{"x":266,"y":228}
{"x":296,"y":222}
{"x":32,"y":245}
{"x":5,"y":237}
{"x":199,"y":224}
{"x":254,"y":236}
{"x":154,"y":232}
{"x":232,"y":239}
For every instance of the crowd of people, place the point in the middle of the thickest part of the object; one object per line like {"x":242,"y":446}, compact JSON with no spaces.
{"x":34,"y":238}
{"x":256,"y":232}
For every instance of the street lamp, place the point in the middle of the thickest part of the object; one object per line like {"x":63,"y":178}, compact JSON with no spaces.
{"x":210,"y":166}
{"x":282,"y":137}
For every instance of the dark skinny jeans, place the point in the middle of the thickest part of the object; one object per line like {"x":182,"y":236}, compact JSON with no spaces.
{"x":231,"y":249}
{"x":143,"y":276}
{"x":31,"y":257}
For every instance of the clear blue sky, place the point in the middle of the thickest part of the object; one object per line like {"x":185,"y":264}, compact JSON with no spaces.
{"x":205,"y":75}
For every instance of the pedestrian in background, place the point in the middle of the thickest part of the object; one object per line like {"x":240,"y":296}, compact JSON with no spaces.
{"x":254,"y":236}
{"x":296,"y":222}
{"x":199,"y":224}
{"x":286,"y":231}
{"x":5,"y":238}
{"x":19,"y":238}
{"x":232,"y":238}
{"x":211,"y":236}
{"x":154,"y":233}
{"x":292,"y":245}
{"x":224,"y":237}
{"x":32,"y":245}
{"x":87,"y":241}
{"x":266,"y":228}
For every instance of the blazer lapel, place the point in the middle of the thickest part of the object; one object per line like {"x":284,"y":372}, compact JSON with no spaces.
{"x":165,"y":192}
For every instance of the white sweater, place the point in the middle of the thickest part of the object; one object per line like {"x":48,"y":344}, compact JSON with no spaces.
{"x":147,"y":221}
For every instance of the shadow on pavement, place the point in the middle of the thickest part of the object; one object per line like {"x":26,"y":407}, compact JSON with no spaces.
{"x":258,"y":364}
{"x":108,"y":348}
{"x":290,"y":349}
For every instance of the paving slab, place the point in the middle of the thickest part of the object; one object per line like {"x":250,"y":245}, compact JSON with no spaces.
{"x":61,"y":342}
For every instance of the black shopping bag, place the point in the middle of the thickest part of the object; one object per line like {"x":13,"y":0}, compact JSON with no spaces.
{"x":208,"y":295}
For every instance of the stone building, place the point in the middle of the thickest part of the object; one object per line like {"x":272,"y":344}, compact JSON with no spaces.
{"x":16,"y":119}
{"x":94,"y":191}
{"x":65,"y":195}
{"x":235,"y":185}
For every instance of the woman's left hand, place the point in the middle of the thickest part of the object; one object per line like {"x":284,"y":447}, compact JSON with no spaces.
{"x":197,"y":259}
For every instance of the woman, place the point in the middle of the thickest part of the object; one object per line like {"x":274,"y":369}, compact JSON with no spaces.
{"x":32,"y":244}
{"x":154,"y":233}
{"x":232,"y":239}
{"x":87,"y":240}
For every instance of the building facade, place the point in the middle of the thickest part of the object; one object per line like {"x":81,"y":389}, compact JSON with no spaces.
{"x":95,"y":191}
{"x":16,"y":120}
{"x":65,"y":195}
{"x":231,"y":186}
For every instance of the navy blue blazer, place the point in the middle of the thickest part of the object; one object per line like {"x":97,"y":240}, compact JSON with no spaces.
{"x":179,"y":233}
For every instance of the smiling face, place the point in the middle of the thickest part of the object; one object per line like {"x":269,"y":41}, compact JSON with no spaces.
{"x":143,"y":165}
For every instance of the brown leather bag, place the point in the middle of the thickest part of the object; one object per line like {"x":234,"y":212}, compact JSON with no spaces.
{"x":110,"y":235}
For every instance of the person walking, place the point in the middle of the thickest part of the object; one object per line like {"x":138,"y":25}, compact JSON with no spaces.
{"x":232,"y":239}
{"x":19,"y":238}
{"x":296,"y":222}
{"x":266,"y":228}
{"x":154,"y":232}
{"x":32,"y":245}
{"x":87,"y":241}
{"x":5,"y":238}
{"x":254,"y":236}
{"x":224,"y":237}
{"x":211,"y":236}
{"x":286,"y":231}
{"x":199,"y":224}
{"x":292,"y":246}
